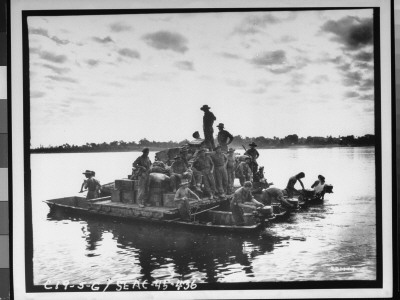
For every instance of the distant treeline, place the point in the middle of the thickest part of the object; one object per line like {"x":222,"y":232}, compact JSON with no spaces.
{"x":262,"y":142}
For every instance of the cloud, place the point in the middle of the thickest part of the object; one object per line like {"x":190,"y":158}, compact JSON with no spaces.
{"x":165,"y":40}
{"x":252,"y":24}
{"x":229,"y":55}
{"x":236,"y":82}
{"x":352,"y":78}
{"x":277,"y":57}
{"x":367,"y":84}
{"x":344,"y":67}
{"x":320,"y":79}
{"x":184,"y":65}
{"x":37,"y":94}
{"x":102,"y":40}
{"x":53,"y":57}
{"x":45,"y":33}
{"x":62,"y":78}
{"x":57,"y":70}
{"x":368,"y":97}
{"x":354,"y":33}
{"x":364,"y":56}
{"x":351,"y":94}
{"x":129,"y":53}
{"x":119,"y":27}
{"x":93,"y":62}
{"x":287,"y":39}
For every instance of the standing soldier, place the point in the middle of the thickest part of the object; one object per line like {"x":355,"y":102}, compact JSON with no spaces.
{"x":220,"y":173}
{"x":91,"y":184}
{"x":208,"y":121}
{"x":224,"y":138}
{"x":142,"y":165}
{"x":230,"y":169}
{"x":253,"y":153}
{"x":244,"y":172}
{"x":205,"y":165}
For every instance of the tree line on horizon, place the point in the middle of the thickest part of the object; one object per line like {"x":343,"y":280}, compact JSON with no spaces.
{"x":238,"y":142}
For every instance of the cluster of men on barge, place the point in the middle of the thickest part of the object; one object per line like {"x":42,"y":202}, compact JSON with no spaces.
{"x":210,"y":171}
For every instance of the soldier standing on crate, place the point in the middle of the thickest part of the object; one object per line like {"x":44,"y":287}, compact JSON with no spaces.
{"x":208,"y":121}
{"x":224,"y":138}
{"x":91,"y":184}
{"x":142,"y":165}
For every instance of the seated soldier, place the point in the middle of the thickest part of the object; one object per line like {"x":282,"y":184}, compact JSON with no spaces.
{"x":182,"y":200}
{"x":177,"y":170}
{"x":244,"y":172}
{"x":243,"y":198}
{"x":318,"y":187}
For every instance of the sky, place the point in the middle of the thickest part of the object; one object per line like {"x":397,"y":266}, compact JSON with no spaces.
{"x":103,"y":78}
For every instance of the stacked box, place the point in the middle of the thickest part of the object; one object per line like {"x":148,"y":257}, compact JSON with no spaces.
{"x":128,"y":196}
{"x":115,"y":195}
{"x":168,"y":200}
{"x":124,"y":184}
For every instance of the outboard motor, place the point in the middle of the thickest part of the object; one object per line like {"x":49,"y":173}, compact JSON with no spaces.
{"x":265,"y":212}
{"x":328,"y":188}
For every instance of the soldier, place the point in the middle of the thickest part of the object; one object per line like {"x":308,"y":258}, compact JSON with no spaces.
{"x":177,"y":171}
{"x":205,"y":165}
{"x":273,"y":193}
{"x":224,"y":138}
{"x":242,"y":198}
{"x":142,"y":164}
{"x":230,"y":169}
{"x":91,"y":184}
{"x":253,"y":153}
{"x":290,"y":189}
{"x":182,"y":201}
{"x":244,"y":172}
{"x":208,"y":121}
{"x":220,"y":173}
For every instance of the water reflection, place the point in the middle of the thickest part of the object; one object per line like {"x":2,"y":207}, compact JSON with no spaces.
{"x":191,"y":253}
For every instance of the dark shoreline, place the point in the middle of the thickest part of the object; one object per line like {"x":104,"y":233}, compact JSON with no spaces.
{"x":40,"y":151}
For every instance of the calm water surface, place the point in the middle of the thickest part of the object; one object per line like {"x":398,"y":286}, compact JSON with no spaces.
{"x":314,"y":244}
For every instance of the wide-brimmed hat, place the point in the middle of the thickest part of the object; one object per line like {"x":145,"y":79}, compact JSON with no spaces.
{"x":88,"y":172}
{"x":253,"y":144}
{"x":184,"y":182}
{"x":196,"y":134}
{"x":321,"y":177}
{"x":231,"y":150}
{"x":205,"y":106}
{"x":145,"y":150}
{"x":220,"y":125}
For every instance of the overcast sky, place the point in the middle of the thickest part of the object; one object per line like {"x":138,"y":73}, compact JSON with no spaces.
{"x":126,"y":77}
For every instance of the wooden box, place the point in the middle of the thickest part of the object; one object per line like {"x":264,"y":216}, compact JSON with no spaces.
{"x":126,"y":184}
{"x":168,"y":200}
{"x":115,"y":196}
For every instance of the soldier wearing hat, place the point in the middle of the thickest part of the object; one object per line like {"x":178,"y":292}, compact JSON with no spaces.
{"x":208,"y":121}
{"x":91,"y":184}
{"x":181,"y":199}
{"x":224,"y":138}
{"x":205,"y":165}
{"x":142,"y":165}
{"x":253,"y":153}
{"x":230,"y":169}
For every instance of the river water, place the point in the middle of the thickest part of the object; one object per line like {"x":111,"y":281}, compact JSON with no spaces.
{"x":333,"y":241}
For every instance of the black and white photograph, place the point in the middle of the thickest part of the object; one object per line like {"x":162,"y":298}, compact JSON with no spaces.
{"x":212,"y":152}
